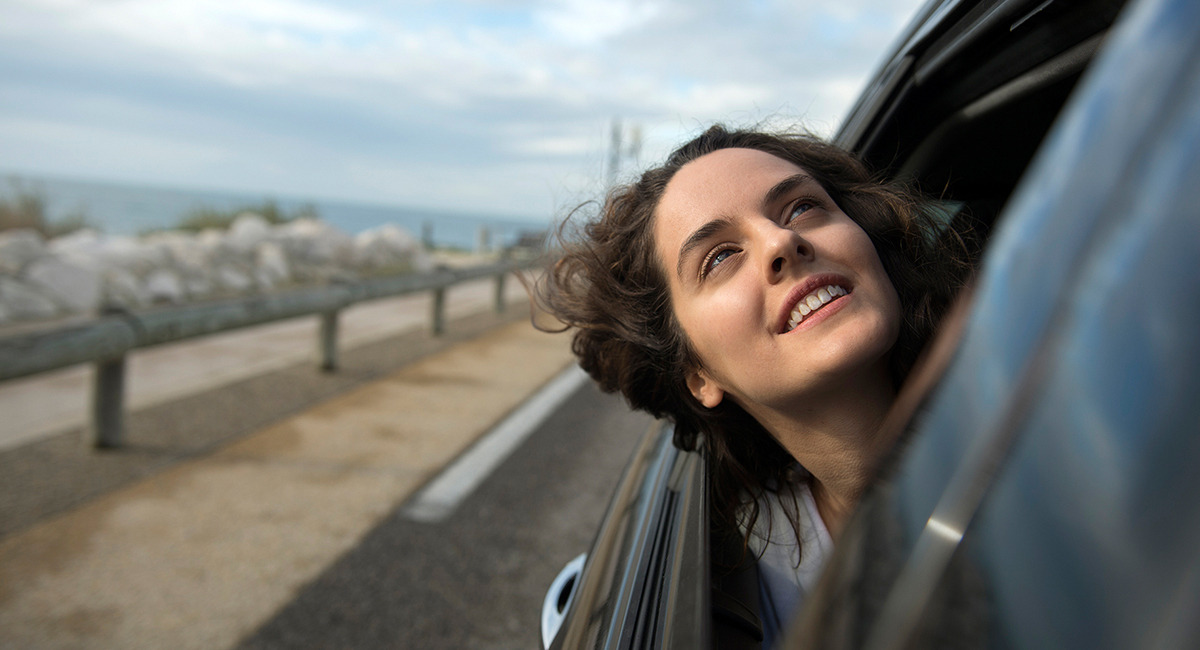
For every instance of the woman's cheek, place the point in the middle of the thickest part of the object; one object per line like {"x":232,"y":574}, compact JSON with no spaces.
{"x":733,"y":312}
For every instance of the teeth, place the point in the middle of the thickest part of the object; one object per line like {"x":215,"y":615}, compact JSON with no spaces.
{"x":812,"y":302}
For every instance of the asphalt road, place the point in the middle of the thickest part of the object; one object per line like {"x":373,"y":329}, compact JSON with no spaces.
{"x":477,"y":579}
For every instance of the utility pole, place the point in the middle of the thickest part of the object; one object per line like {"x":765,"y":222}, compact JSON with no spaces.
{"x":617,"y":150}
{"x":614,"y":153}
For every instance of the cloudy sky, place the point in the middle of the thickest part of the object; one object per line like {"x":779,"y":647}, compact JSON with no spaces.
{"x":480,"y":106}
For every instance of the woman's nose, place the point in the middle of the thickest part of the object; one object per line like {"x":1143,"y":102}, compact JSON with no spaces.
{"x":784,"y":248}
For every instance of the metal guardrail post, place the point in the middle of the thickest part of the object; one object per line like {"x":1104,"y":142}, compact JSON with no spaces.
{"x":438,"y":324}
{"x":327,"y":341}
{"x":108,"y":403}
{"x":500,"y":292}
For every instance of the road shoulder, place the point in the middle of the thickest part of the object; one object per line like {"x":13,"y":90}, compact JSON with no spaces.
{"x":206,"y":547}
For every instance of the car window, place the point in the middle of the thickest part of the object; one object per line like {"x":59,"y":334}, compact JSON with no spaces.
{"x":967,"y":104}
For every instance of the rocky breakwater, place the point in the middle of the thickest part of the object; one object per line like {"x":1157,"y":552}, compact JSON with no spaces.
{"x":86,"y":271}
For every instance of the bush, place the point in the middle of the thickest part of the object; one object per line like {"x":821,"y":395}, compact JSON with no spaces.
{"x":205,"y":218}
{"x":25,"y":207}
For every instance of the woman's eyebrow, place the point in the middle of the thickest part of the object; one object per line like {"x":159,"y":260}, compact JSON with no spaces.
{"x":697,"y":238}
{"x":782,"y":188}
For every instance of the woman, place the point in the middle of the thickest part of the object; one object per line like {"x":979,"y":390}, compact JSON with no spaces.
{"x":768,"y":297}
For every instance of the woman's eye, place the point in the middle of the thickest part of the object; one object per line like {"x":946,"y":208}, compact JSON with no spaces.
{"x":715,"y":258}
{"x":799,"y":208}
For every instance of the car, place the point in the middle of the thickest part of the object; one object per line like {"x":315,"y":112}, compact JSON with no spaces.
{"x":1046,"y":490}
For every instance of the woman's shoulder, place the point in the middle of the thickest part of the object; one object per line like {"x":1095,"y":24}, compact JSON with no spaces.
{"x":787,"y":515}
{"x":792,"y":546}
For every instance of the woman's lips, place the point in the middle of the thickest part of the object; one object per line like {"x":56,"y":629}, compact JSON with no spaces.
{"x":811,"y":297}
{"x":813,"y":302}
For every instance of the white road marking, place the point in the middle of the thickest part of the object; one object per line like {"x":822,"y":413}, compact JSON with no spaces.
{"x":439,"y":498}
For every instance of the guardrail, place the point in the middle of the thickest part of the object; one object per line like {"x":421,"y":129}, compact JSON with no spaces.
{"x":107,"y":339}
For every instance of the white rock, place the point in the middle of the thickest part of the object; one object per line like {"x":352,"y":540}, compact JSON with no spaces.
{"x":162,"y":285}
{"x":264,"y":282}
{"x":121,"y":288}
{"x":310,"y":242}
{"x":272,"y":263}
{"x":20,"y":301}
{"x":400,"y":238}
{"x":422,"y":261}
{"x":217,"y":250}
{"x":72,"y":286}
{"x":210,"y":239}
{"x":123,"y":252}
{"x":90,"y":250}
{"x":306,"y":228}
{"x":85,"y":269}
{"x":19,"y":247}
{"x":230,"y":278}
{"x":385,"y":246}
{"x":199,"y":286}
{"x":369,"y":252}
{"x":185,"y":250}
{"x":247,"y":232}
{"x":84,"y":239}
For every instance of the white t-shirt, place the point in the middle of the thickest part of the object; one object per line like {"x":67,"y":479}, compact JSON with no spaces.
{"x":787,"y":571}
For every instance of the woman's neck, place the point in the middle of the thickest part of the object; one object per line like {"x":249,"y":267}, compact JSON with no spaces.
{"x":835,"y":436}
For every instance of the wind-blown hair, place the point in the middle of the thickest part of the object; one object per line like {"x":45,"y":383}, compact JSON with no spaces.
{"x":610,"y":287}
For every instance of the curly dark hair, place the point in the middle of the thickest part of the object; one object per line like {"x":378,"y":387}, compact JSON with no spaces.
{"x":610,"y":287}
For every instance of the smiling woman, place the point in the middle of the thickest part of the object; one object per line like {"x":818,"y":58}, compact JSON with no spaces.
{"x":767,"y":296}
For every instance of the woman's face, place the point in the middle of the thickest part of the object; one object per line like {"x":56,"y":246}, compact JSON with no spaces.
{"x":780,"y":293}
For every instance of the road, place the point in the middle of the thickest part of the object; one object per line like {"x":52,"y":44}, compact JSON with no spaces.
{"x":275,"y":511}
{"x":475,"y":580}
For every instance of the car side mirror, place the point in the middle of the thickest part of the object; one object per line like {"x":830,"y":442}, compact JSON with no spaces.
{"x":558,"y":599}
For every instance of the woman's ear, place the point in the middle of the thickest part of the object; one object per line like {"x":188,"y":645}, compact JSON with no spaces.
{"x":704,"y":388}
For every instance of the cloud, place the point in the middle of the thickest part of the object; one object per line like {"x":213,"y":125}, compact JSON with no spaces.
{"x":587,"y":22}
{"x":466,"y":104}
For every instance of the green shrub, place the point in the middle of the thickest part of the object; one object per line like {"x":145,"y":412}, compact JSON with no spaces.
{"x":25,"y":207}
{"x":205,"y":217}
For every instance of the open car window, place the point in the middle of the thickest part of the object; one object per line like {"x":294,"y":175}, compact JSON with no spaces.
{"x":964,"y":105}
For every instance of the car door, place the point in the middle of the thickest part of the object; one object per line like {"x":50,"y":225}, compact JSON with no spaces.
{"x":1045,"y":495}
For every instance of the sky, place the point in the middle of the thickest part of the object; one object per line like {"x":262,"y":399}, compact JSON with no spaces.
{"x":476,"y":106}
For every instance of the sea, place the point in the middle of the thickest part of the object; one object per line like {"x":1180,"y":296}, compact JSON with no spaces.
{"x":122,"y":209}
